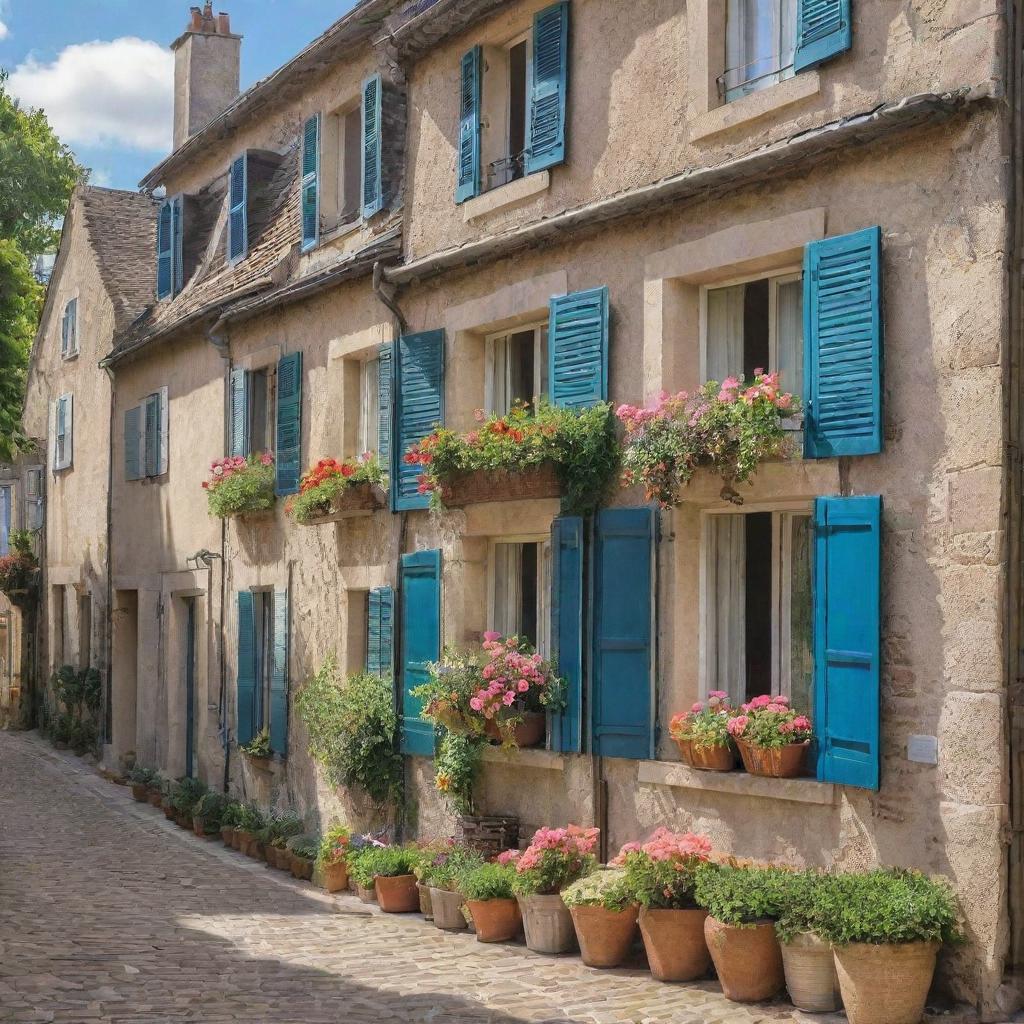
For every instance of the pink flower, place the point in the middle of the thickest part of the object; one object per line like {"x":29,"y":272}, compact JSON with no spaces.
{"x":508,"y":700}
{"x":490,"y":636}
{"x":737,"y":725}
{"x":522,"y":686}
{"x":697,"y":707}
{"x":508,"y":856}
{"x":267,"y":459}
{"x":476,"y":703}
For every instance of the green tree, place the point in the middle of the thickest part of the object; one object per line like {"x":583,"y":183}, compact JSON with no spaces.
{"x":20,"y":303}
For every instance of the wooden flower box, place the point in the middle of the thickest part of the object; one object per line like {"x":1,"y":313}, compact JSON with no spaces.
{"x":355,"y":501}
{"x":540,"y":481}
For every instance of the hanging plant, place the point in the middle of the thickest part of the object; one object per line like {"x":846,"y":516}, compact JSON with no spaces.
{"x":324,"y":489}
{"x":239,"y":485}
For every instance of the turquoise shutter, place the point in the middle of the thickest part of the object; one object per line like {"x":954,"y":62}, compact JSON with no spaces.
{"x":245,"y":702}
{"x":310,"y":211}
{"x":5,"y":520}
{"x":567,"y":627}
{"x":843,"y":345}
{"x":164,"y":252}
{"x":546,"y":122}
{"x":469,"y":127}
{"x":419,"y":387}
{"x":385,"y":371}
{"x":421,"y":643}
{"x":279,"y":677}
{"x":238,"y":242}
{"x":847,"y":629}
{"x":379,"y":632}
{"x":823,"y":30}
{"x":152,"y":435}
{"x":578,"y":348}
{"x":132,"y":446}
{"x":177,"y":231}
{"x":373,"y":186}
{"x":289,"y":423}
{"x":239,"y":412}
{"x":622,"y":718}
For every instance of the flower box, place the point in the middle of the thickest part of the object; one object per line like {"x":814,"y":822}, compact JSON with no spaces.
{"x":479,"y":485}
{"x":355,"y":501}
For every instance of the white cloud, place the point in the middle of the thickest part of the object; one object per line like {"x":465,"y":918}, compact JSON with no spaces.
{"x":4,"y":32}
{"x":101,"y":93}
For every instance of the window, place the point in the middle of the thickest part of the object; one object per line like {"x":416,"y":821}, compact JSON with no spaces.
{"x":505,"y":108}
{"x":342,"y":163}
{"x":6,"y":513}
{"x":261,"y":410}
{"x":262,"y":680}
{"x":34,"y":509}
{"x":520,"y":585}
{"x":758,"y":604}
{"x":62,"y":432}
{"x":760,"y":40}
{"x":356,"y":621}
{"x":517,"y":368}
{"x":369,"y":406}
{"x":145,"y":437}
{"x":69,"y":330}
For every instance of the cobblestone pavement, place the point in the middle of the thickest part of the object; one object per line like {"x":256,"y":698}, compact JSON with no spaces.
{"x":110,"y":913}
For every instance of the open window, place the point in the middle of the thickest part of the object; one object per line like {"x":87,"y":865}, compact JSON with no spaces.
{"x":505,"y":108}
{"x":760,"y":42}
{"x":516,"y":368}
{"x":520,"y":588}
{"x":342,"y":167}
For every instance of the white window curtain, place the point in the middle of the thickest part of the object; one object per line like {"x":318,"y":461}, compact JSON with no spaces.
{"x":508,"y":588}
{"x":760,"y":41}
{"x":796,"y":609}
{"x":369,"y":424}
{"x":724,"y":333}
{"x":789,"y":333}
{"x":725,"y":650}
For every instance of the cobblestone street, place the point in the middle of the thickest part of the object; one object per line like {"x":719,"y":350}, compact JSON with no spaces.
{"x":110,"y":913}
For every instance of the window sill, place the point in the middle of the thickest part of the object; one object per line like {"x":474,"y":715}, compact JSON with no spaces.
{"x":505,"y":196}
{"x":526,"y":757}
{"x":757,"y":104}
{"x":70,"y":357}
{"x":339,"y":231}
{"x":677,"y":774}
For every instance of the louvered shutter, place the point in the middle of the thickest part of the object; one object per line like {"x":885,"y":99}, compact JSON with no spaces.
{"x":289,"y":422}
{"x":311,"y":182}
{"x":421,"y":643}
{"x":238,"y":242}
{"x":5,"y":519}
{"x":239,"y":412}
{"x":65,"y":431}
{"x":823,"y":30}
{"x":567,"y":627}
{"x":72,"y":314}
{"x":133,"y":443}
{"x":546,"y":144}
{"x":847,"y":629}
{"x":419,"y":387}
{"x":177,"y":233}
{"x":384,"y":411}
{"x":164,"y":252}
{"x":245,"y":702}
{"x":843,"y":345}
{"x":152,"y":435}
{"x":379,"y":632}
{"x":373,"y":187}
{"x":34,"y":509}
{"x":469,"y":127}
{"x":279,"y":676}
{"x":64,"y":333}
{"x":578,"y":349}
{"x":622,"y":715}
{"x":165,"y":443}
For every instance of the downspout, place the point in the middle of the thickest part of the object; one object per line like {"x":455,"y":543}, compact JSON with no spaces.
{"x":108,"y":618}
{"x":388,"y":294}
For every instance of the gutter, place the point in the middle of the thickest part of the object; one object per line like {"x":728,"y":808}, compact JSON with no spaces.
{"x":798,"y":152}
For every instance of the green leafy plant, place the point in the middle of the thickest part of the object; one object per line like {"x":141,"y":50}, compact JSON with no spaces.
{"x":662,"y":871}
{"x":555,"y":858}
{"x":238,"y":485}
{"x":210,"y":807}
{"x":321,"y":487}
{"x":279,"y":828}
{"x":456,"y":769}
{"x":18,"y":567}
{"x":769,"y":722}
{"x":352,"y":730}
{"x":83,"y":737}
{"x":361,"y":863}
{"x":608,"y":888}
{"x":488,"y":882}
{"x":251,"y":819}
{"x":444,"y":868}
{"x":259,"y":746}
{"x":334,"y":846}
{"x":186,"y":793}
{"x":141,"y":776}
{"x":306,"y":847}
{"x":704,"y":726}
{"x":740,"y":896}
{"x":388,"y":861}
{"x":231,"y":816}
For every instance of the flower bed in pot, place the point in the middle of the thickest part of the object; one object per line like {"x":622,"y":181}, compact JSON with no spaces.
{"x":240,"y":486}
{"x":772,"y":738}
{"x":332,"y":858}
{"x":604,"y":914}
{"x":702,"y":734}
{"x":491,"y":901}
{"x":480,"y":485}
{"x":441,"y":867}
{"x":303,"y":850}
{"x":333,"y":490}
{"x":389,"y":871}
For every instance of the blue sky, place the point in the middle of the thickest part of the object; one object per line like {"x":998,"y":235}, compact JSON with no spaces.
{"x":101,"y":68}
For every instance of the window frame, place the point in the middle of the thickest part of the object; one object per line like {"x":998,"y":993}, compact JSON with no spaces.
{"x":544,"y":582}
{"x":368,"y":426}
{"x":541,"y":350}
{"x":264,"y":601}
{"x":269,"y":372}
{"x":71,"y":351}
{"x":749,"y":86}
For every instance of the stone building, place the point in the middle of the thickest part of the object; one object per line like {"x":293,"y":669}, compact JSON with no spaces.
{"x":471,"y":197}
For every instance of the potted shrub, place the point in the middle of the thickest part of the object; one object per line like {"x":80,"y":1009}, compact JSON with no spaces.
{"x":886,"y":927}
{"x":604,"y":913}
{"x":140,"y":779}
{"x":491,"y":901}
{"x":443,"y":872}
{"x":304,"y":850}
{"x":240,"y":486}
{"x":393,"y":878}
{"x":661,"y":874}
{"x":229,"y":820}
{"x":258,"y":751}
{"x":334,"y":490}
{"x":331,"y":858}
{"x":251,"y":822}
{"x":702,"y":734}
{"x":743,"y":904}
{"x":19,"y":569}
{"x":773,"y":739}
{"x":187,"y":793}
{"x":730,"y":429}
{"x":155,"y":792}
{"x":555,"y":858}
{"x":807,"y":959}
{"x":361,"y":867}
{"x":275,"y":835}
{"x":206,"y":814}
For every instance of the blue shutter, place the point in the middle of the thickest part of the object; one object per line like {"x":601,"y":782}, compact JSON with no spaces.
{"x":279,"y":677}
{"x":152,"y":435}
{"x":823,"y":30}
{"x":239,"y":412}
{"x":164,"y":252}
{"x":379,"y":632}
{"x":238,"y":242}
{"x":469,"y":127}
{"x":843,"y":345}
{"x":289,"y":423}
{"x":385,"y":370}
{"x":311,"y":183}
{"x":419,"y":386}
{"x":245,"y":703}
{"x":177,"y":231}
{"x":546,"y":123}
{"x":567,"y":627}
{"x":578,"y":348}
{"x":132,"y":443}
{"x":421,"y":643}
{"x":5,"y":520}
{"x":847,"y":628}
{"x":373,"y":186}
{"x":622,"y":716}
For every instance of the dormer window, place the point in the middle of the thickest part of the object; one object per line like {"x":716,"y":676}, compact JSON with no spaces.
{"x":169,"y":271}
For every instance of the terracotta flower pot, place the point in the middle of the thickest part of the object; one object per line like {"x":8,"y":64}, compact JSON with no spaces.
{"x":747,"y":958}
{"x":547,"y":924}
{"x":605,"y":936}
{"x":256,"y":850}
{"x":237,"y":840}
{"x":226,"y":834}
{"x":397,"y":894}
{"x":169,"y":812}
{"x":302,"y":867}
{"x":447,"y":908}
{"x":775,"y":762}
{"x":335,"y":876}
{"x":140,"y":793}
{"x":198,"y":826}
{"x":244,"y":839}
{"x":675,"y":943}
{"x":885,"y":984}
{"x":495,"y":920}
{"x":367,"y":895}
{"x":155,"y":797}
{"x":707,"y":759}
{"x":810,"y":970}
{"x":426,"y":906}
{"x":530,"y":732}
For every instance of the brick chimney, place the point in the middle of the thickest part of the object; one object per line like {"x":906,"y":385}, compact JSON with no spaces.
{"x":207,"y":59}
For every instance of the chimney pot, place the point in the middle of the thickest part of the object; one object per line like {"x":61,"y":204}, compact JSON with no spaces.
{"x":196,"y":22}
{"x":224,"y":23}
